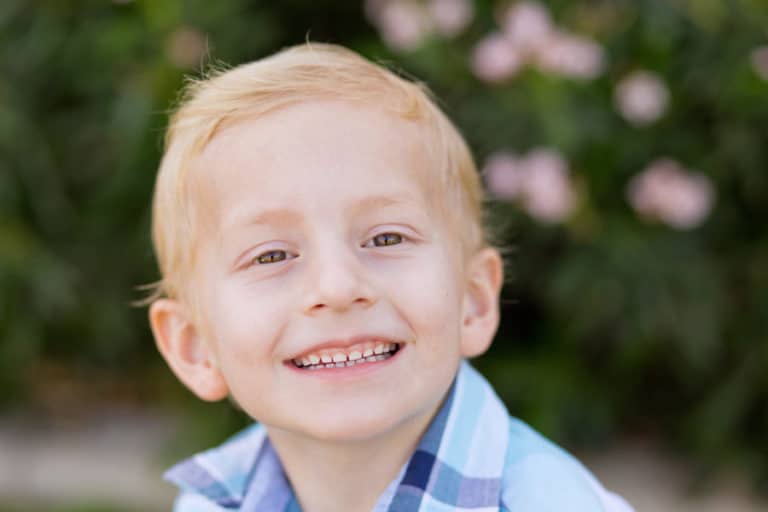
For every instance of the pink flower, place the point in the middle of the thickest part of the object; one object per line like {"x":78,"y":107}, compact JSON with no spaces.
{"x":527,"y":25}
{"x":504,"y":175}
{"x":641,"y":97}
{"x":538,"y":181}
{"x":548,"y":193}
{"x":571,"y":56}
{"x":666,"y":191}
{"x":403,"y":24}
{"x":529,"y":37}
{"x":495,"y":58}
{"x":759,"y":60}
{"x":185,"y":47}
{"x":451,"y":16}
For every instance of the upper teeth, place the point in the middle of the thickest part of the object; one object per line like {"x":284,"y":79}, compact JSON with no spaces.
{"x":355,"y":353}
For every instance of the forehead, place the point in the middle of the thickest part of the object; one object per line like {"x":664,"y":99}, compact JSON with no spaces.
{"x":317,"y":150}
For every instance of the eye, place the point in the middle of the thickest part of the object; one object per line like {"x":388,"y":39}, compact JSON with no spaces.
{"x":385,"y":239}
{"x":270,"y":257}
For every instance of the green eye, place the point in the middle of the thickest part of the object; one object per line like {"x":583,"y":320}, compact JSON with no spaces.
{"x":271,"y":257}
{"x":387,"y":239}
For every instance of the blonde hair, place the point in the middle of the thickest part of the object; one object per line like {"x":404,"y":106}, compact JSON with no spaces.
{"x":300,"y":73}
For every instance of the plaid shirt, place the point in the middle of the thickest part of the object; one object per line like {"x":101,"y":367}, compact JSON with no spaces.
{"x":473,"y":457}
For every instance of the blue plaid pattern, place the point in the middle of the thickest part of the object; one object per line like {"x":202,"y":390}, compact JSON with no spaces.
{"x":473,"y":457}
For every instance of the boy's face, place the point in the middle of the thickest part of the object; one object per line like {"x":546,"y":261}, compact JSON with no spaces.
{"x":326,"y":246}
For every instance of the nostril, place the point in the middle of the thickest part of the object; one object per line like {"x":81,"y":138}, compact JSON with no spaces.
{"x":341,"y":303}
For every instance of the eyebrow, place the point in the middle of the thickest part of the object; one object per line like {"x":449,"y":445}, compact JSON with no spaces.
{"x":383,"y":201}
{"x":270,"y":216}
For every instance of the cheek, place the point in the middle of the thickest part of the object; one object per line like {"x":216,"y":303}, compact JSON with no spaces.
{"x":245,"y":319}
{"x":426,"y":293}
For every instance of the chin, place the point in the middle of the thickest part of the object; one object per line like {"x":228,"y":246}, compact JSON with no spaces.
{"x":343,"y":428}
{"x":366,"y":425}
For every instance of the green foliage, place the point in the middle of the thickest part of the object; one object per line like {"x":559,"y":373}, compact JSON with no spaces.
{"x":611,"y":322}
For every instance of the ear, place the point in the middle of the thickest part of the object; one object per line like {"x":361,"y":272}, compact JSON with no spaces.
{"x":480,"y":316}
{"x":189,"y":355}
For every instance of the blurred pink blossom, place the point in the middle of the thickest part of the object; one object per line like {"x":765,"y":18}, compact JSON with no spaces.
{"x":548,"y":193}
{"x":451,"y":16}
{"x":539,"y":182}
{"x":495,"y":58}
{"x":527,"y":25}
{"x":529,"y":36}
{"x":403,"y":24}
{"x":759,"y":60}
{"x":185,"y":47}
{"x":641,"y":97}
{"x":666,"y":191}
{"x":504,"y":174}
{"x":570,"y":55}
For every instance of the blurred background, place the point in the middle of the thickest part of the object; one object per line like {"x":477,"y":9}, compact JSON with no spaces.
{"x":624,"y":145}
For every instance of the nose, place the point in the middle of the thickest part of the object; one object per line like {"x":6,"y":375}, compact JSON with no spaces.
{"x":337,"y":281}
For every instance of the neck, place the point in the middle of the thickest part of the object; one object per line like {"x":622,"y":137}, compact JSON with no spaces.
{"x":341,"y":476}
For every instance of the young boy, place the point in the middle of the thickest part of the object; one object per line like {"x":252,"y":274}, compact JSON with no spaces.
{"x":317,"y":222}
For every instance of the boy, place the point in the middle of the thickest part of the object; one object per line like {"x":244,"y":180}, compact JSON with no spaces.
{"x":317,"y":222}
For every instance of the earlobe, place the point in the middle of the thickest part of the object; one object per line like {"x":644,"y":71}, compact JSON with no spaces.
{"x":186,"y":352}
{"x":481,"y":302}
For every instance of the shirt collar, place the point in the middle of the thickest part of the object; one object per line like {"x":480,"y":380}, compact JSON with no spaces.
{"x":457,"y":465}
{"x":459,"y":462}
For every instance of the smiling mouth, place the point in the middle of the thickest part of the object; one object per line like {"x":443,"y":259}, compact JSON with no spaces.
{"x":344,"y":359}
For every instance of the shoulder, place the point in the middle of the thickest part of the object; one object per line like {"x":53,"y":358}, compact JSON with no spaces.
{"x":540,"y":476}
{"x":216,"y":479}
